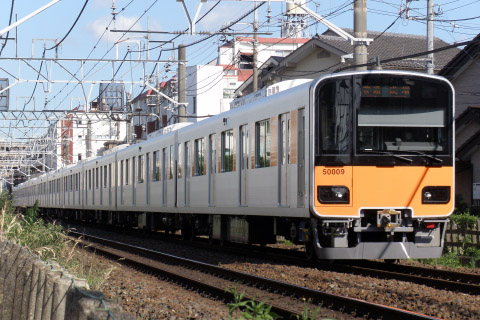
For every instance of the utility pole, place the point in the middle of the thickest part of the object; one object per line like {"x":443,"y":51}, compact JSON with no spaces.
{"x":360,"y":31}
{"x":182,"y":93}
{"x":255,"y":53}
{"x":430,"y":17}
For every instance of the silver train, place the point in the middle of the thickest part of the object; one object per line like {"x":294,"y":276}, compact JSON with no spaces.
{"x":354,"y":165}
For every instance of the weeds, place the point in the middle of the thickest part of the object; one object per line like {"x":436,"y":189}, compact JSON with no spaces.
{"x":48,"y":242}
{"x":248,"y":309}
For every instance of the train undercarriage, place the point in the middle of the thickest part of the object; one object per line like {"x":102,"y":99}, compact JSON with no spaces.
{"x":387,"y":234}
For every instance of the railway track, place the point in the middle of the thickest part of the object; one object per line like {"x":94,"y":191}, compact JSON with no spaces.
{"x":462,"y":282}
{"x":468,"y":283}
{"x":286,"y":299}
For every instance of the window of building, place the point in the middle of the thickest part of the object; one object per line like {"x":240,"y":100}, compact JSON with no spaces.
{"x":199,"y":157}
{"x":262,"y":144}
{"x":227,"y":151}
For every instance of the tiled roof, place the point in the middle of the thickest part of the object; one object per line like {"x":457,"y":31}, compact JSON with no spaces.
{"x":462,"y":58}
{"x":392,"y":45}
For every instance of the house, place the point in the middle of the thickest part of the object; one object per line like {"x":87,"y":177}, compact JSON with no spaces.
{"x":329,"y":52}
{"x":463,"y":71}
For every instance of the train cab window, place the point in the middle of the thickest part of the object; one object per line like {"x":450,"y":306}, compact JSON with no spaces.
{"x":334,"y":118}
{"x":262,"y":144}
{"x":227,"y":151}
{"x":156,"y":166}
{"x":402,"y":115}
{"x":141,"y":165}
{"x":199,"y":157}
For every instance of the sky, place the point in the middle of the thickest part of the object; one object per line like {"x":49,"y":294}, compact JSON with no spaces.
{"x":456,"y":21}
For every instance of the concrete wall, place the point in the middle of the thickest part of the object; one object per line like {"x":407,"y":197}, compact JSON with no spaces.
{"x":33,"y":289}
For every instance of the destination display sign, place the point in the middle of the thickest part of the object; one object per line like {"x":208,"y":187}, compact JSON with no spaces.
{"x":386,"y":91}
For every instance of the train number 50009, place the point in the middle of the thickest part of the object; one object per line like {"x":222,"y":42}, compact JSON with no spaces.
{"x":333,"y":171}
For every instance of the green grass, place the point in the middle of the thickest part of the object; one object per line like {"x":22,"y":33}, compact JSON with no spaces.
{"x":48,"y":241}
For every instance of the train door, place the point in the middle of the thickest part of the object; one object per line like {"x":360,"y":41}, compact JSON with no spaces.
{"x":212,"y":169}
{"x":283,"y":151}
{"x":164,"y":175}
{"x":147,"y":179}
{"x":186,"y":178}
{"x":243,"y":152}
{"x":301,"y":158}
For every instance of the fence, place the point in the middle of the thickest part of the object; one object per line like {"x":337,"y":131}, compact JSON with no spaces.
{"x":455,"y":237}
{"x":31,"y":289}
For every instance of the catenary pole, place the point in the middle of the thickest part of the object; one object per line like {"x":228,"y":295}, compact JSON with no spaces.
{"x":360,"y":31}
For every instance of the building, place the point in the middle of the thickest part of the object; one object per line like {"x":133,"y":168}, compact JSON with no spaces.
{"x":210,"y":88}
{"x":329,"y":52}
{"x":80,"y":135}
{"x":463,"y":71}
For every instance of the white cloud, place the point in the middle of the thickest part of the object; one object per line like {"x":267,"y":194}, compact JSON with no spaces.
{"x":222,"y":15}
{"x":97,"y":27}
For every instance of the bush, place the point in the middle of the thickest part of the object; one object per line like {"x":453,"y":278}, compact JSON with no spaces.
{"x":48,"y":242}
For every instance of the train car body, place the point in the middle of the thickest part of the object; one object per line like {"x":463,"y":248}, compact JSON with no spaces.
{"x":355,"y":165}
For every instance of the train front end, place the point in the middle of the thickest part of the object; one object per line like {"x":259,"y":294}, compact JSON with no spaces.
{"x":383,"y":165}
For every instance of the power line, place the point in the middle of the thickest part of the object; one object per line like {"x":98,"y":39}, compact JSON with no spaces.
{"x":71,"y":28}
{"x":9,"y":22}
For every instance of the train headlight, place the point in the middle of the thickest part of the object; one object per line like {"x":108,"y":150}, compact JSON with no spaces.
{"x":333,"y":194}
{"x":436,"y":195}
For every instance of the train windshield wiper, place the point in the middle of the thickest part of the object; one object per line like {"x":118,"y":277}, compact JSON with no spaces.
{"x":421,"y":154}
{"x":388,"y":153}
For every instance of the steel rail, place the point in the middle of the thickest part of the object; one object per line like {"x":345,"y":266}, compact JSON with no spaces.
{"x":335,"y":302}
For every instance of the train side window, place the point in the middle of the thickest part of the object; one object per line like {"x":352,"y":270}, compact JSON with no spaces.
{"x":156,"y":166}
{"x":96,"y":178}
{"x":133,"y":170}
{"x":199,"y":157}
{"x":180,"y":162}
{"x":89,"y":179}
{"x":141,"y":159}
{"x":170,"y":163}
{"x":262,"y":144}
{"x":121,"y":173}
{"x":110,"y":174}
{"x":105,"y":176}
{"x":126,"y":171}
{"x":227,"y":151}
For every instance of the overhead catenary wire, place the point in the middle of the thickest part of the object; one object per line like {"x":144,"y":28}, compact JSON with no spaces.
{"x":9,"y":22}
{"x":71,"y":28}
